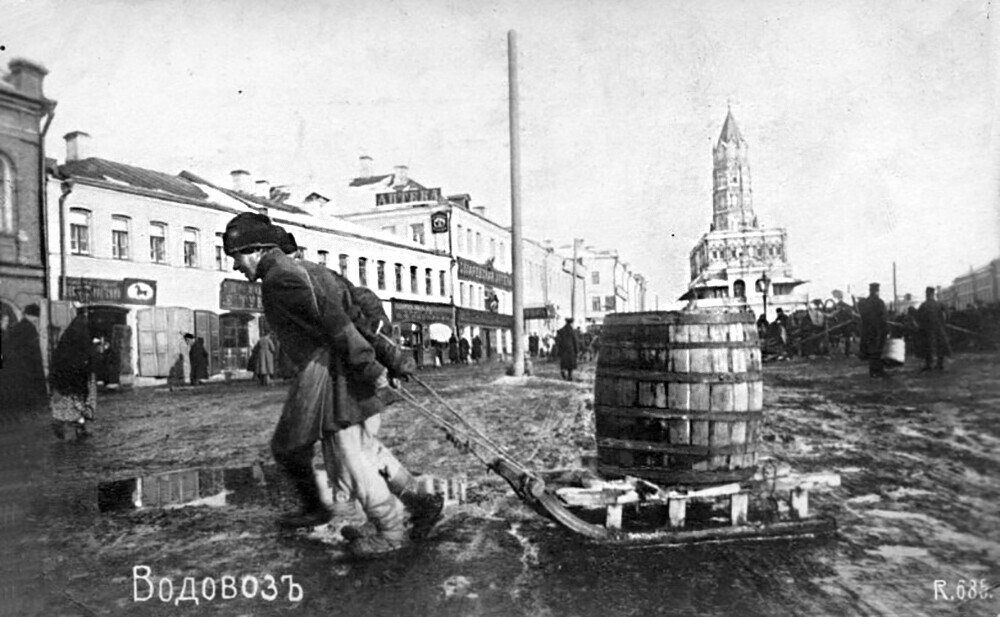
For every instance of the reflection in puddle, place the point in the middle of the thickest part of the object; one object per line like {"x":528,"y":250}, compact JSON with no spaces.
{"x":213,"y":487}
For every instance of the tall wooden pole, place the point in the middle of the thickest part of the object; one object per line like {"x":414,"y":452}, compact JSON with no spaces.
{"x":515,"y":206}
{"x":572,"y":292}
{"x":895,"y":296}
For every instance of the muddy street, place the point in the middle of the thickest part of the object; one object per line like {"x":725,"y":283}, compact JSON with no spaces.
{"x":919,"y":502}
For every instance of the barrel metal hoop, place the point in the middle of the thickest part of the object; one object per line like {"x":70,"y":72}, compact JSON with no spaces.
{"x":672,"y":377}
{"x":675,"y":318}
{"x":668,"y":448}
{"x":679,"y":345}
{"x":678,"y":414}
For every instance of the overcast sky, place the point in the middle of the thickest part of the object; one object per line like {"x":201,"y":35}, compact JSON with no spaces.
{"x":871,"y":124}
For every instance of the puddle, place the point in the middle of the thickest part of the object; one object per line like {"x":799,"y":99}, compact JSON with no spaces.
{"x":213,"y":487}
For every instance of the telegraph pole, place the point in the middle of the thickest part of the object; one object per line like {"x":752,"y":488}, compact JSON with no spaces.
{"x":895,"y":296}
{"x":572,"y":293}
{"x":515,"y":206}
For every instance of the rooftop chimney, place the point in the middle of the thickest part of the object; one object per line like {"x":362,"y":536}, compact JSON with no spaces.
{"x":365,"y":166}
{"x":76,"y":145}
{"x":480,"y":210}
{"x":241,"y":181}
{"x":401,"y":175}
{"x":262,"y":188}
{"x":27,"y":77}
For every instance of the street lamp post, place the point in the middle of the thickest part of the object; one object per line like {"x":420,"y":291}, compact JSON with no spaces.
{"x":762,"y":285}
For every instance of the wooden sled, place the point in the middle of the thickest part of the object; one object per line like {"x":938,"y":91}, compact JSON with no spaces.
{"x":635,"y":512}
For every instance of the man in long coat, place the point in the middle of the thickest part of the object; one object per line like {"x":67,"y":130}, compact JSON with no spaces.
{"x":567,"y":347}
{"x":333,"y":398}
{"x":934,"y":341}
{"x":22,"y":379}
{"x":874,"y":329}
{"x":264,"y":367}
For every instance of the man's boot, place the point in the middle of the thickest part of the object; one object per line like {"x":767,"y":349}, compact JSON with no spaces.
{"x":388,"y":525}
{"x":423,"y":510}
{"x":313,"y":513}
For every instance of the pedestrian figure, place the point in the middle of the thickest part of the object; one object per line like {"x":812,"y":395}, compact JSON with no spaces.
{"x":22,"y":376}
{"x":477,"y":349}
{"x":533,"y":345}
{"x":264,"y":360}
{"x":453,"y":350}
{"x":932,"y":337}
{"x":334,"y":396}
{"x":567,"y":347}
{"x":74,"y":384}
{"x":874,"y":329}
{"x":463,"y":350}
{"x":199,"y":361}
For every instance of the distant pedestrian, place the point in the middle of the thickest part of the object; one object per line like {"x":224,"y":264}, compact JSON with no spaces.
{"x":533,"y":343}
{"x":932,"y":337}
{"x":74,"y":384}
{"x":22,"y":377}
{"x":477,"y":348}
{"x":874,"y":329}
{"x":199,"y":361}
{"x":264,"y":360}
{"x":463,"y":350}
{"x":568,"y":348}
{"x":453,"y":350}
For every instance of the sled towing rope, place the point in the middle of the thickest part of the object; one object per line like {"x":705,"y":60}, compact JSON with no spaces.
{"x":612,"y":496}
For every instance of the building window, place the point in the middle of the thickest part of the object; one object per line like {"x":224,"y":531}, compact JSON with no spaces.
{"x":220,"y":255}
{"x":79,"y":231}
{"x":343,"y":265}
{"x":363,"y":271}
{"x":429,"y":281}
{"x":461,"y":294}
{"x":119,"y":237}
{"x":390,"y":229}
{"x":324,"y":257}
{"x":469,"y":246}
{"x":503,"y":255}
{"x":595,"y":277}
{"x":301,"y":252}
{"x":609,"y":303}
{"x":7,"y":195}
{"x":441,"y":279}
{"x":493,"y":248}
{"x":479,"y":244}
{"x":418,"y":233}
{"x":595,"y":303}
{"x":414,"y":285}
{"x":158,"y":243}
{"x":399,"y":277}
{"x":461,"y":238}
{"x":380,"y":273}
{"x":190,"y":247}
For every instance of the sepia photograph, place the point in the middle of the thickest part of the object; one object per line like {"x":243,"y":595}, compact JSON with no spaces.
{"x":514,"y":308}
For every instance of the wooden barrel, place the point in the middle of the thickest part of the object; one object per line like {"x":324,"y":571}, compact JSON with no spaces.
{"x":678,"y":397}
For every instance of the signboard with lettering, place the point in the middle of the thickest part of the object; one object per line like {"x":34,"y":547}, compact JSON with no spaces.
{"x":439,"y":223}
{"x":540,"y":312}
{"x":110,"y":291}
{"x":477,"y":273}
{"x":237,"y":295}
{"x":421,"y":312}
{"x":474,"y":317}
{"x":406,"y":197}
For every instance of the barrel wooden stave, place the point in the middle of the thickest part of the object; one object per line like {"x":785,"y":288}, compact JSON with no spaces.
{"x":701,"y":364}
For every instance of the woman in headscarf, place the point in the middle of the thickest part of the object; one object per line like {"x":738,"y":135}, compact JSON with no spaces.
{"x":74,"y":385}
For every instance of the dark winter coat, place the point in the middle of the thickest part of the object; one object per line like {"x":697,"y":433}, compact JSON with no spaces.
{"x":308,"y":309}
{"x":199,"y":361}
{"x":463,"y":349}
{"x":874,"y":326}
{"x":568,"y":347}
{"x":22,"y":379}
{"x":477,"y":348}
{"x":932,"y":338}
{"x":73,"y":360}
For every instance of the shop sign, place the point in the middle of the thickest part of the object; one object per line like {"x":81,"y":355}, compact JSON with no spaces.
{"x":237,"y":295}
{"x":439,"y":223}
{"x":405,"y":197}
{"x":473,"y":317}
{"x":421,"y":312}
{"x":477,"y":273}
{"x":540,"y":312}
{"x":110,"y":291}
